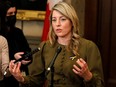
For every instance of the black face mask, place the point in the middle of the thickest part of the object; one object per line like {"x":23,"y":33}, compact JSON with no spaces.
{"x":11,"y":20}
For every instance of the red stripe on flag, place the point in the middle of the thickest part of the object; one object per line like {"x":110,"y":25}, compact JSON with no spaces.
{"x":46,"y":24}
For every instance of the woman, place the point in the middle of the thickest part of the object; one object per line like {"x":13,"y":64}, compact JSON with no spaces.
{"x":74,"y":66}
{"x":4,"y":59}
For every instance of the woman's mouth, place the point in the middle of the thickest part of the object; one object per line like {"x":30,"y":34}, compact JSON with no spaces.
{"x":58,"y":30}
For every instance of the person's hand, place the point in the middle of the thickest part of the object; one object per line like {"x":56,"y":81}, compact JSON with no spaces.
{"x":82,"y":69}
{"x":18,"y":55}
{"x":15,"y":70}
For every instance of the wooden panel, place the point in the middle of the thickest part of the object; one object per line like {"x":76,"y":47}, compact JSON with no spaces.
{"x":90,"y":19}
{"x":112,"y":65}
{"x":105,"y":36}
{"x":100,"y":21}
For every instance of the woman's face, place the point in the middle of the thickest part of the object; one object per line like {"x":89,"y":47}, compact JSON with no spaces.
{"x":11,"y":11}
{"x":61,"y":25}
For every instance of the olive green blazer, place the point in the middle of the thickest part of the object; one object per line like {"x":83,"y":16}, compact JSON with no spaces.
{"x":63,"y":65}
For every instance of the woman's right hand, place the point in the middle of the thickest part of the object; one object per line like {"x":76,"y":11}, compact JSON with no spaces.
{"x":14,"y":69}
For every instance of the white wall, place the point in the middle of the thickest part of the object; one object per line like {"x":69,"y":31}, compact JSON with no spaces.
{"x":32,"y":31}
{"x":31,"y":28}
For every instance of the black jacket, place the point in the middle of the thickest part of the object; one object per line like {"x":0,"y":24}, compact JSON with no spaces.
{"x":17,"y":43}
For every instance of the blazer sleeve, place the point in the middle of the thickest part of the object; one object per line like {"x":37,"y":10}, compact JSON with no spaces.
{"x":94,"y":62}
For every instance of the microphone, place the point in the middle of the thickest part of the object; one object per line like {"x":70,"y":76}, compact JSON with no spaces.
{"x":53,"y":60}
{"x":25,"y":56}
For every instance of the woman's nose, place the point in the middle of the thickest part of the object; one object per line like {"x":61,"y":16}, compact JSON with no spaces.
{"x":58,"y":22}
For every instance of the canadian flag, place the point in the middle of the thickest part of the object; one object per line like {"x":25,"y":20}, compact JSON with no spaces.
{"x":50,"y":4}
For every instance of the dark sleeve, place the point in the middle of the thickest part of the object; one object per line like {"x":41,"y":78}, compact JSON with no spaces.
{"x":23,"y":46}
{"x":22,"y":41}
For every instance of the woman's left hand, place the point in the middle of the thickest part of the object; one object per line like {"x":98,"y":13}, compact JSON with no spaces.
{"x":81,"y":69}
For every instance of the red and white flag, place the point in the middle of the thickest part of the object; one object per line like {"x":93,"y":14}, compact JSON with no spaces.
{"x":50,"y":4}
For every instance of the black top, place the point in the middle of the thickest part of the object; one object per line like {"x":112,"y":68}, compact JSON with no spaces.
{"x":17,"y":43}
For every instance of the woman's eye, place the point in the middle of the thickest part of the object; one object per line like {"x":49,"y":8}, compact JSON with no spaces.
{"x":53,"y":19}
{"x":63,"y":19}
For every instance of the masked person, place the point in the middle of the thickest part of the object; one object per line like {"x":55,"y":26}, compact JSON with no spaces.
{"x":15,"y":37}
